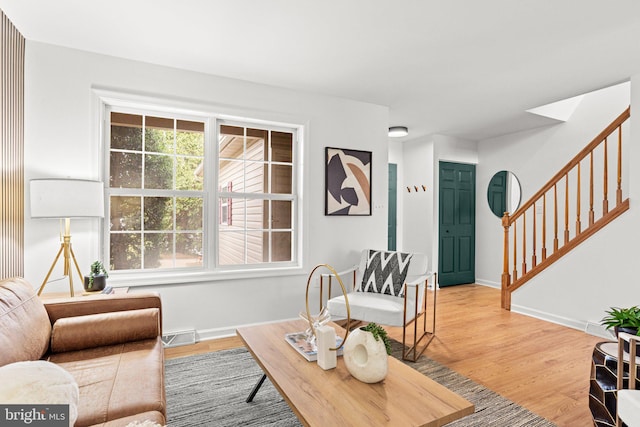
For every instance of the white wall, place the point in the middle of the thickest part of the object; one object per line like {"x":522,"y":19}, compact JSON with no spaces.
{"x":599,"y":273}
{"x":418,"y":215}
{"x":420,"y":166}
{"x":61,"y":139}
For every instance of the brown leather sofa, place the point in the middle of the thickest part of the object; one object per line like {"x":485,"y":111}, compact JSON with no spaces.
{"x":111,"y":344}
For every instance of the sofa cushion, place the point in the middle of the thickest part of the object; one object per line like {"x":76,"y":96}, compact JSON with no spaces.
{"x":24,"y":324}
{"x":371,"y":307}
{"x":95,"y":330}
{"x":116,"y":381}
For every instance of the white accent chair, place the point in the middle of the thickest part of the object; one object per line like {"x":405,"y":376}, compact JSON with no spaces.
{"x":390,"y":310}
{"x":629,"y":398}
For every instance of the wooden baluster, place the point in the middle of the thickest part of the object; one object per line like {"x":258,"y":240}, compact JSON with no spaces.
{"x":566,"y":208}
{"x":505,"y":270}
{"x":524,"y":243}
{"x":591,"y":212}
{"x":555,"y":218}
{"x":544,"y":226}
{"x":619,"y":189}
{"x":534,"y":261}
{"x":578,"y":225}
{"x":605,"y":201}
{"x":515,"y":251}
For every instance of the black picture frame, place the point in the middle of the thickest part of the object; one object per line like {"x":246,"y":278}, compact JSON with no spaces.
{"x":347,"y":182}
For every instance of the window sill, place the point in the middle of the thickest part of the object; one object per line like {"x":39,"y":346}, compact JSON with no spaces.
{"x":174,"y":278}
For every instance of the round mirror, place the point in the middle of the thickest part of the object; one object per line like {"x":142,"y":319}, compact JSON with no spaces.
{"x":503,"y":193}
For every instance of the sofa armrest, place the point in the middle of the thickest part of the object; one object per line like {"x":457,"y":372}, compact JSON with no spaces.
{"x":96,"y":330}
{"x":102,"y":303}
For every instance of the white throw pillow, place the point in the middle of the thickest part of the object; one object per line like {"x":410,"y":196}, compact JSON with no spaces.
{"x":39,"y":382}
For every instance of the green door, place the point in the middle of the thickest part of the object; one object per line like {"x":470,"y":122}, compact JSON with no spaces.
{"x":393,"y":206}
{"x":457,"y":224}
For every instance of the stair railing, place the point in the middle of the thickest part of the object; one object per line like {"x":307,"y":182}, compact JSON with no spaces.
{"x":559,"y":202}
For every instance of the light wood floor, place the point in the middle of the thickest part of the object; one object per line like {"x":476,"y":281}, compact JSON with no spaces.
{"x":539,"y":365}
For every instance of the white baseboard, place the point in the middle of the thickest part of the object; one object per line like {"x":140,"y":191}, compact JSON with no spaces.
{"x":591,"y":328}
{"x":229,"y":331}
{"x":489,"y":283}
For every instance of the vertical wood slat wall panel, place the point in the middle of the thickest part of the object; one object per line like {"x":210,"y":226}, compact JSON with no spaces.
{"x":12,"y":46}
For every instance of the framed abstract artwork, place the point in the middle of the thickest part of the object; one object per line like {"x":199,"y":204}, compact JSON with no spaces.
{"x":347,"y":182}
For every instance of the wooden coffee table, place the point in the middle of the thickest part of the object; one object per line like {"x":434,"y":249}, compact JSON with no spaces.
{"x":330,"y":398}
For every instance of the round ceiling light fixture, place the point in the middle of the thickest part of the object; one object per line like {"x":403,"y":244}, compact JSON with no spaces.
{"x":398,"y":131}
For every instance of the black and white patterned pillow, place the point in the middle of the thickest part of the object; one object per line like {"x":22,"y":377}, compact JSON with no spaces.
{"x":385,"y":273}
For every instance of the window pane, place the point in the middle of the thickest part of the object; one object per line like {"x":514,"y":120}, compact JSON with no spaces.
{"x":255,"y":214}
{"x":282,"y":147}
{"x":125,"y":170}
{"x":189,"y":213}
{"x":281,"y":212}
{"x":159,"y":135}
{"x":190,"y":138}
{"x":237,"y":213}
{"x":281,"y":246}
{"x":231,"y":142}
{"x":125,"y":213}
{"x":125,"y":250}
{"x":158,"y":172}
{"x":256,"y":144}
{"x":232,"y":246}
{"x":281,"y":179}
{"x":158,"y":213}
{"x":232,"y":172}
{"x":255,"y":253}
{"x":189,"y":250}
{"x":126,"y":132}
{"x":158,"y":250}
{"x":189,"y":173}
{"x":255,"y":173}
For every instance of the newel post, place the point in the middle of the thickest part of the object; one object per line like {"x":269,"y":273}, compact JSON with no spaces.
{"x":506,"y":279}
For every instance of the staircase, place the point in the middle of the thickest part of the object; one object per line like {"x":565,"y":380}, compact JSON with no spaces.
{"x":572,"y":206}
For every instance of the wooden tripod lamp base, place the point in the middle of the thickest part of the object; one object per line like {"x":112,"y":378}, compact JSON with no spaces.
{"x":67,"y":250}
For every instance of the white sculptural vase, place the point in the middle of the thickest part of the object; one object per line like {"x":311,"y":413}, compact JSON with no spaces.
{"x":365,"y":357}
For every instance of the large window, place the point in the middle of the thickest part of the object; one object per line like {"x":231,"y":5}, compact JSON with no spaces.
{"x":178,"y":200}
{"x":258,"y":199}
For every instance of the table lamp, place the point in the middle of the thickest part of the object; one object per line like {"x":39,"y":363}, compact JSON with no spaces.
{"x":66,"y":199}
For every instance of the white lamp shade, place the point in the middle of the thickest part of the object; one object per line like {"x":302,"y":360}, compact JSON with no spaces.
{"x":66,"y":198}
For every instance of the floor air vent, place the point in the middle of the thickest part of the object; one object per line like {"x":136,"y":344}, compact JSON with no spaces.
{"x":598,"y":330}
{"x":175,"y":339}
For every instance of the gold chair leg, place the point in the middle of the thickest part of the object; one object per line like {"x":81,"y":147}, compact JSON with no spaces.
{"x":416,"y":348}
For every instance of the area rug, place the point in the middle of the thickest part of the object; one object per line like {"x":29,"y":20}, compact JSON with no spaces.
{"x":210,"y":390}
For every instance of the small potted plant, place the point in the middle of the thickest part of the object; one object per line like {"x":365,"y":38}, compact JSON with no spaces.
{"x":97,"y":278}
{"x":379,"y":333}
{"x":623,"y":320}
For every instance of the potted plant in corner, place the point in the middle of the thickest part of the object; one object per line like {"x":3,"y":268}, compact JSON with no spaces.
{"x":97,"y":278}
{"x":623,"y":320}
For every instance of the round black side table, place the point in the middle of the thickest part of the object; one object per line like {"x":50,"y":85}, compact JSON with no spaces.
{"x":603,"y":383}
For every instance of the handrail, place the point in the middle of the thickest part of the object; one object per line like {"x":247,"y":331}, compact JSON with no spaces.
{"x":573,"y":162}
{"x":528,"y":236}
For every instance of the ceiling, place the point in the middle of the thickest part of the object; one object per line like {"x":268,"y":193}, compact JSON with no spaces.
{"x":465,"y":68}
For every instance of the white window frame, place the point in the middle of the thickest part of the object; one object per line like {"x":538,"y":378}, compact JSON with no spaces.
{"x":129,"y":103}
